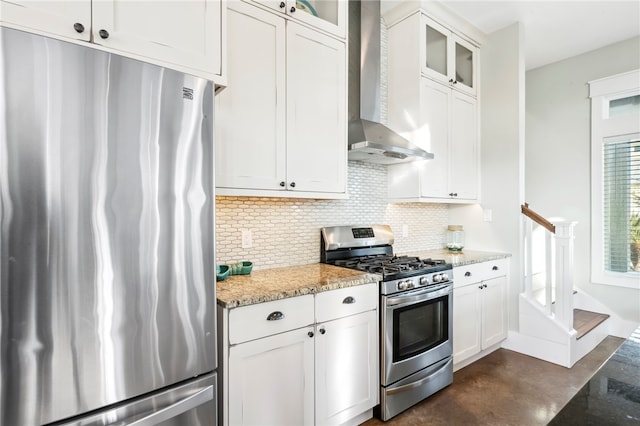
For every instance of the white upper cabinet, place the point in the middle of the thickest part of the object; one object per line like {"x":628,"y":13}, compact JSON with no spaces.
{"x":281,"y":127}
{"x":325,"y":15}
{"x":447,"y":57}
{"x":439,"y":115}
{"x":186,"y":36}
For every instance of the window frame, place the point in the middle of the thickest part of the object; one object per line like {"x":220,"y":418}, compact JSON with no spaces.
{"x":605,"y":129}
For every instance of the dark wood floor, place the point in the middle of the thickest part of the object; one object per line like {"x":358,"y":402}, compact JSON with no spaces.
{"x":505,"y":388}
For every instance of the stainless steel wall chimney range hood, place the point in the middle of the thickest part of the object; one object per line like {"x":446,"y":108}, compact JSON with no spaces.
{"x":369,"y":140}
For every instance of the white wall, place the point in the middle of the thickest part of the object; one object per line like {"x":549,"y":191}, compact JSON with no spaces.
{"x":557,"y":179}
{"x":502,"y":156}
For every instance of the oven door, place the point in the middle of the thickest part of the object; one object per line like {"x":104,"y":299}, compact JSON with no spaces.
{"x":417,"y":330}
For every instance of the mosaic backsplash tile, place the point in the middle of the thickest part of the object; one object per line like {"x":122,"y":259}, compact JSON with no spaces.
{"x":286,"y":232}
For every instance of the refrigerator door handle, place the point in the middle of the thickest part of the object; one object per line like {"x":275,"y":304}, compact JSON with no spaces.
{"x":175,"y":409}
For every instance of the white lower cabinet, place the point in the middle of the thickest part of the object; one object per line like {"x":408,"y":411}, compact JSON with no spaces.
{"x":301,"y":361}
{"x":346,"y":348}
{"x":479,"y":307}
{"x":270,"y":380}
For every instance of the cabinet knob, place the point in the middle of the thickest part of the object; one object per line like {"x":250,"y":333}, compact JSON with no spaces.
{"x":455,"y":81}
{"x":293,"y":9}
{"x":322,"y":331}
{"x":104,"y":34}
{"x":282,"y":184}
{"x":349,"y":300}
{"x":480,"y":286}
{"x":484,"y":286}
{"x":453,"y":194}
{"x":310,"y":334}
{"x":495,"y":268}
{"x":467,"y":274}
{"x":78,"y":27}
{"x":275,"y":316}
{"x":282,"y":5}
{"x":450,"y":80}
{"x":292,"y":184}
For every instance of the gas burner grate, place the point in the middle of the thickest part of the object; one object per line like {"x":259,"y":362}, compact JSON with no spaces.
{"x":390,"y":265}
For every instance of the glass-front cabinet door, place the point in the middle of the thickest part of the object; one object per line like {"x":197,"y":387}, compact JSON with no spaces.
{"x":448,"y":58}
{"x":326,"y":15}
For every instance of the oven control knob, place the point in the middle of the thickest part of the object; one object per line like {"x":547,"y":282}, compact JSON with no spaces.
{"x":437,"y":278}
{"x":410,"y":284}
{"x":424,"y":281}
{"x":402,"y":285}
{"x":444,"y":277}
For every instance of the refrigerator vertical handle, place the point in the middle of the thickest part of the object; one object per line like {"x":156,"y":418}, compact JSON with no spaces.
{"x":175,"y":409}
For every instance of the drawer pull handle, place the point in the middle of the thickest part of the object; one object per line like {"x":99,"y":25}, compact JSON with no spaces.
{"x":349,"y":300}
{"x":467,"y":274}
{"x":495,"y":268}
{"x":275,"y":316}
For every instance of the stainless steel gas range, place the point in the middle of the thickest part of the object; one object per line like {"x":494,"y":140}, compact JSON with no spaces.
{"x":416,"y":308}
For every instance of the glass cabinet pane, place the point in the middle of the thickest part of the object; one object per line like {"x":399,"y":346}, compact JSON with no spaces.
{"x":464,"y":65}
{"x":325,"y":10}
{"x":436,"y":50}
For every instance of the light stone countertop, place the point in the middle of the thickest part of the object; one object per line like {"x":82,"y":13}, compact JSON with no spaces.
{"x":464,"y":257}
{"x":280,"y":283}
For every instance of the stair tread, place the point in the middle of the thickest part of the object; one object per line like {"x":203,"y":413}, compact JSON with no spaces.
{"x":585,"y":321}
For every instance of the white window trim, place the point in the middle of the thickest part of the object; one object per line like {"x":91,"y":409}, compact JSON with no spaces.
{"x":601,"y":92}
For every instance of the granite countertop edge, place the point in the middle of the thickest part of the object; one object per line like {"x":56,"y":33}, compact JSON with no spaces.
{"x":461,"y":258}
{"x":268,"y":285}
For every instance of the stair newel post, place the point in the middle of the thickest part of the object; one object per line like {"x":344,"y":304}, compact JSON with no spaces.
{"x":564,"y":272}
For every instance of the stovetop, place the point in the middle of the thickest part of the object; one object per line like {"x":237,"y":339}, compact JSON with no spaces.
{"x":393,"y":267}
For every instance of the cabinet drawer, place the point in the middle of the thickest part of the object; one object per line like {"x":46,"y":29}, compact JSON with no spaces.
{"x":346,"y":301}
{"x":251,"y":322}
{"x":476,"y":272}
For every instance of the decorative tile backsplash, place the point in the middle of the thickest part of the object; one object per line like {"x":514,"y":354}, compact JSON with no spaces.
{"x":286,"y":232}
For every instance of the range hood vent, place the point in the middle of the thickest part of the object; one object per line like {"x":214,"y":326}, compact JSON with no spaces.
{"x":369,"y":140}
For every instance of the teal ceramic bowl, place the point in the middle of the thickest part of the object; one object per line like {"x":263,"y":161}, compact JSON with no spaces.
{"x":222,"y":272}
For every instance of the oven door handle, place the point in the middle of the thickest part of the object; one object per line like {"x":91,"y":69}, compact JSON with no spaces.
{"x":419,"y":296}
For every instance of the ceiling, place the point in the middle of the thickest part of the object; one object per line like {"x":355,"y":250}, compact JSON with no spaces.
{"x":555,"y":30}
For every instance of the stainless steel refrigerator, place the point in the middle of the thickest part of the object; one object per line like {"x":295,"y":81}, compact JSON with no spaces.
{"x":107,"y":285}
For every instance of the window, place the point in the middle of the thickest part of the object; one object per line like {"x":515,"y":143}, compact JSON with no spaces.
{"x":621,"y":205}
{"x":615,"y":153}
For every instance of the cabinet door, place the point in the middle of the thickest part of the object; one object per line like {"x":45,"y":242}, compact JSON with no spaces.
{"x":271,"y":380}
{"x":347,"y":371}
{"x":466,"y":322}
{"x":465,"y":58}
{"x":435,"y":50}
{"x":494,"y":311}
{"x":316,"y":111}
{"x":250,"y":113}
{"x":185,"y":35}
{"x":463,"y":155}
{"x":51,"y":18}
{"x":434,"y":131}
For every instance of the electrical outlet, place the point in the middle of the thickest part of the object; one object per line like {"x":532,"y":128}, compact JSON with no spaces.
{"x":405,"y":230}
{"x":247,"y":239}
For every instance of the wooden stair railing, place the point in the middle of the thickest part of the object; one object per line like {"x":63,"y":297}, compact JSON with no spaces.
{"x":537,"y":218}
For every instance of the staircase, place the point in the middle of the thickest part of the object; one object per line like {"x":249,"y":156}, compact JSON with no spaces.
{"x":556,"y":323}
